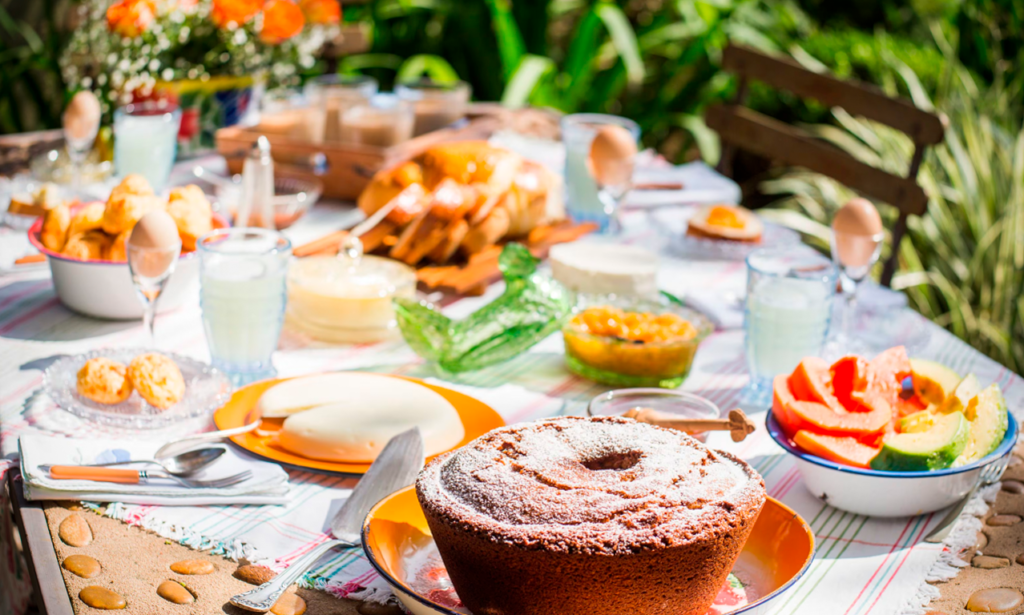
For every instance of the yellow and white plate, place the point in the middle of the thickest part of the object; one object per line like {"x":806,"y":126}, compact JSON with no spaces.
{"x":477,"y":419}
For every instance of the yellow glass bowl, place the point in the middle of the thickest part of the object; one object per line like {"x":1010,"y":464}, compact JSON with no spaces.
{"x":632,"y":363}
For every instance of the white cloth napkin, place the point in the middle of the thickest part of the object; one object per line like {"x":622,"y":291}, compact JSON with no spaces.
{"x":267,"y":485}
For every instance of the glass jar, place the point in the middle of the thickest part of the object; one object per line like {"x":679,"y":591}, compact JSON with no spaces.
{"x":436,"y":104}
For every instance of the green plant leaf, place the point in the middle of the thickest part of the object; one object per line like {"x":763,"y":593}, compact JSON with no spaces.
{"x":435,"y":67}
{"x":364,"y":61}
{"x":511,"y":47}
{"x":531,"y":70}
{"x":624,"y":39}
{"x":707,"y":140}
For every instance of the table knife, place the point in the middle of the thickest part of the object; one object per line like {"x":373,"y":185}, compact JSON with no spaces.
{"x":395,"y":467}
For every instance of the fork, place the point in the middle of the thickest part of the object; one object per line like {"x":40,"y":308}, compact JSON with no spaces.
{"x":989,"y":475}
{"x":133,"y":477}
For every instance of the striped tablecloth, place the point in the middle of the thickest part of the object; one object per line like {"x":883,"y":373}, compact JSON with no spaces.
{"x":861,"y":565}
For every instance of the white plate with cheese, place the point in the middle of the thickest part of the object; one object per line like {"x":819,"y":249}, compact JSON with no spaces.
{"x":338,"y":422}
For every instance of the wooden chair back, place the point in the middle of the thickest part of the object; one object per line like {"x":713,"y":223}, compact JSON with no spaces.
{"x":741,"y":127}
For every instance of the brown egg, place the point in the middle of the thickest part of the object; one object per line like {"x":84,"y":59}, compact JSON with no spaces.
{"x":612,"y":155}
{"x":82,"y":116}
{"x":157,"y":237}
{"x":857,"y":217}
{"x":155,"y":230}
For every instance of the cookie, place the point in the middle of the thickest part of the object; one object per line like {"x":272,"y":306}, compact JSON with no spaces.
{"x":92,"y":245}
{"x":191,"y":212}
{"x":157,"y":379}
{"x":104,"y":380}
{"x":55,"y":228}
{"x":88,"y":218}
{"x":124,"y":210}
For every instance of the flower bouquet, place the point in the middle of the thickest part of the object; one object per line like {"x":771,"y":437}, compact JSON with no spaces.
{"x":207,"y":55}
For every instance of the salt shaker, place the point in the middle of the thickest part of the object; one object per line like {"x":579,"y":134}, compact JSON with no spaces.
{"x":256,"y":206}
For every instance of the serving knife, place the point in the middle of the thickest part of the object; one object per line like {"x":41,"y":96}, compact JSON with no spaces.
{"x":395,"y":467}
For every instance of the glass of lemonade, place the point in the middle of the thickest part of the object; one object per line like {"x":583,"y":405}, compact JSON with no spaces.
{"x":243,"y":272}
{"x":583,"y":198}
{"x":146,"y":140}
{"x":790,"y":293}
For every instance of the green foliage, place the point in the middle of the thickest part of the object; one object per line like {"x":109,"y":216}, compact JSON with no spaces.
{"x":31,"y":88}
{"x":961,"y":264}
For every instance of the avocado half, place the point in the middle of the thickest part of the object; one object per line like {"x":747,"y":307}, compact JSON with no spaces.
{"x":989,"y":421}
{"x":941,"y":440}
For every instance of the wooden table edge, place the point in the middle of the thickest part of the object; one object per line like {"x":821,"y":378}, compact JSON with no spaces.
{"x":43,"y":567}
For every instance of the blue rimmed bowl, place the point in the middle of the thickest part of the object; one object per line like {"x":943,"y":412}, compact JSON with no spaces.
{"x":878,"y":493}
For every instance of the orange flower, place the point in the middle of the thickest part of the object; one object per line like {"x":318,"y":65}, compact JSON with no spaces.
{"x":238,"y":12}
{"x":321,"y":11}
{"x":130,"y":18}
{"x":282,"y":19}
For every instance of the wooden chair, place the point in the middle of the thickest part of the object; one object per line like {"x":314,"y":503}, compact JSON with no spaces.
{"x":739,"y":126}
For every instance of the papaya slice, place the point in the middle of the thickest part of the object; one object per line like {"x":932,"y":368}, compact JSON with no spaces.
{"x":887,"y":372}
{"x":812,"y":381}
{"x":795,"y":415}
{"x":850,"y":377}
{"x":840,"y":449}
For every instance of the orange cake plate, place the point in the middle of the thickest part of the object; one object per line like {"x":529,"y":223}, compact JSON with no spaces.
{"x":778,"y":552}
{"x":477,"y":419}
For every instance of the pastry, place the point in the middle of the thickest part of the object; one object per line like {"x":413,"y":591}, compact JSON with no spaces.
{"x":104,"y":380}
{"x":132,"y":184}
{"x":600,"y":516}
{"x":157,"y":379}
{"x":118,"y":251}
{"x":124,"y":210}
{"x":55,"y":228}
{"x":191,"y":212}
{"x":37,"y":203}
{"x":88,"y":218}
{"x":729,"y":222}
{"x":462,"y":196}
{"x":91,"y":246}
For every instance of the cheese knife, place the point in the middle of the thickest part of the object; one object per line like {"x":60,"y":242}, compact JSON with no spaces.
{"x":395,"y":467}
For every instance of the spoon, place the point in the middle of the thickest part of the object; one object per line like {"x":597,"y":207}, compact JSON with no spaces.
{"x":182,"y":464}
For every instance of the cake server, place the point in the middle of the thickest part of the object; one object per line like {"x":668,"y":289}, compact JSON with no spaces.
{"x":395,"y":467}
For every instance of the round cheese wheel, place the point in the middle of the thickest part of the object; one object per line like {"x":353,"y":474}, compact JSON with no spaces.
{"x":349,"y":417}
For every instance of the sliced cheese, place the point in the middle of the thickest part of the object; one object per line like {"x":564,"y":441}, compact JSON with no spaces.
{"x":599,"y":268}
{"x":349,"y":417}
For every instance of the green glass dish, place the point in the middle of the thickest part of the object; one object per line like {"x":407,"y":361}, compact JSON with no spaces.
{"x":532,"y":307}
{"x":632,"y":363}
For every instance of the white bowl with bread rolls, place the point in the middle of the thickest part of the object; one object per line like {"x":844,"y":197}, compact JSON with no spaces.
{"x":85,"y":247}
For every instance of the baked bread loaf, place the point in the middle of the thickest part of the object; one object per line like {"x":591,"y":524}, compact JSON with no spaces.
{"x":579,"y":516}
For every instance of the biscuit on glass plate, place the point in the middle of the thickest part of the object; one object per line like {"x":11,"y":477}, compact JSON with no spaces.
{"x":104,"y":380}
{"x":157,"y":379}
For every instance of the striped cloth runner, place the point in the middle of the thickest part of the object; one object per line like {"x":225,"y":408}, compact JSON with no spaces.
{"x":861,"y":565}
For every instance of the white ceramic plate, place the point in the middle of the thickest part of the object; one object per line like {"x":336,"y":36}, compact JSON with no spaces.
{"x":206,"y":389}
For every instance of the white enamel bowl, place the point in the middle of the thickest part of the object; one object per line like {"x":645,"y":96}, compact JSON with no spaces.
{"x":877,"y":493}
{"x":104,"y":289}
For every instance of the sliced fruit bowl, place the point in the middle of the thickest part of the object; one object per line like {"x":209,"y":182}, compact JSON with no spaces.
{"x":892,"y":423}
{"x":886,"y":493}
